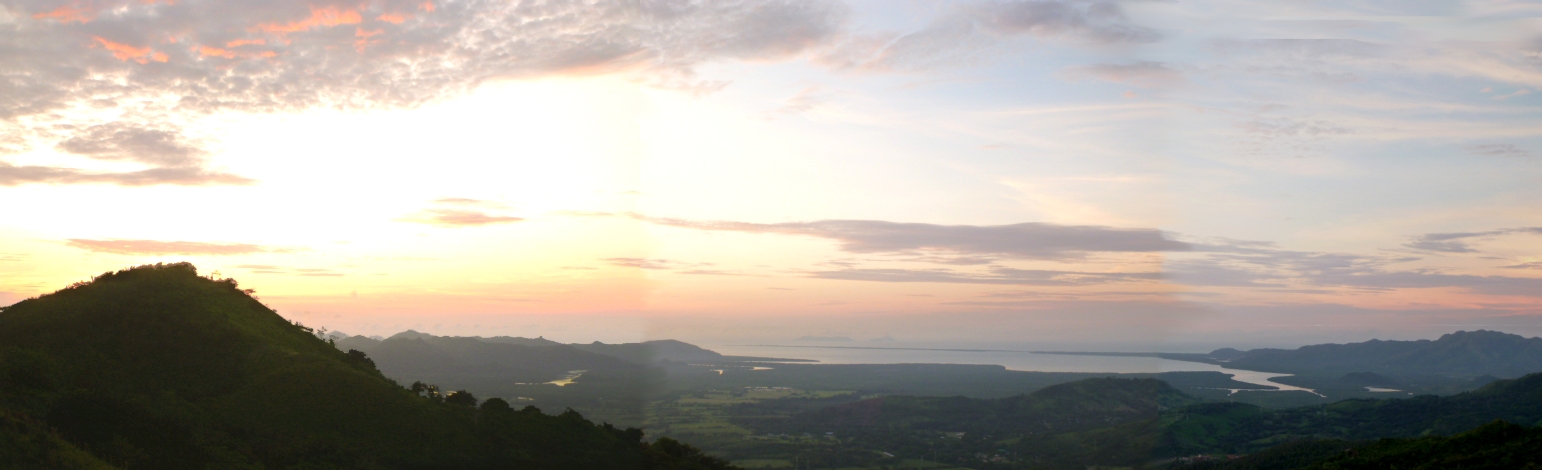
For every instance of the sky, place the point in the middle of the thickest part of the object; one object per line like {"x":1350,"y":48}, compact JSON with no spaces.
{"x":1129,"y":174}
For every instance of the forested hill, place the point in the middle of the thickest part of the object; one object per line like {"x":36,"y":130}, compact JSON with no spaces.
{"x":157,"y":367}
{"x":1463,"y":353}
{"x":554,"y":354}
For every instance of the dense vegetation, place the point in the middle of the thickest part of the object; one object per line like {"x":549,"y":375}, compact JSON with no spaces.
{"x":1108,"y":421}
{"x":157,"y":367}
{"x":1495,"y":446}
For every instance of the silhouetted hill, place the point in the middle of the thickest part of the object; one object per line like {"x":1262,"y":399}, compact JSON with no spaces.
{"x":1463,"y":353}
{"x":156,"y":367}
{"x":537,"y":341}
{"x":649,"y":352}
{"x":361,"y":343}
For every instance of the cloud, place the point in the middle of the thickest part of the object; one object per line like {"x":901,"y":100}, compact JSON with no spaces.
{"x":971,"y":28}
{"x":13,"y":175}
{"x":800,"y":102}
{"x":1097,"y":21}
{"x":1141,"y":74}
{"x":709,"y":272}
{"x":996,"y":275}
{"x":1457,"y":242}
{"x":1026,"y":240}
{"x":665,"y":264}
{"x":1261,"y":265}
{"x":1312,"y":50}
{"x":644,"y":263}
{"x":1498,"y":150}
{"x":271,"y":269}
{"x":155,"y":247}
{"x":1530,"y":265}
{"x":461,"y":201}
{"x":462,"y":212}
{"x":116,"y":79}
{"x":1493,"y":285}
{"x":458,"y":218}
{"x":122,"y":141}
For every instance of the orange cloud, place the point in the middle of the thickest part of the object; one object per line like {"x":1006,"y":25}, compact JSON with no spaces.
{"x":244,"y":42}
{"x":364,"y":38}
{"x":427,"y":6}
{"x":66,"y":14}
{"x":207,"y":51}
{"x":329,"y":16}
{"x":393,"y":18}
{"x":126,"y":52}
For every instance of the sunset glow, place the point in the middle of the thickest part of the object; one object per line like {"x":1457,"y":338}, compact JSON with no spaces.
{"x":1002,"y":171}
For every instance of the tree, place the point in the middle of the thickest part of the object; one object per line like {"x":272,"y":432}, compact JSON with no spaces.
{"x":462,"y":398}
{"x":497,"y":406}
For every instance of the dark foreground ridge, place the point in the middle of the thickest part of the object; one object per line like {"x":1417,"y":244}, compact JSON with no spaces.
{"x":156,"y":367}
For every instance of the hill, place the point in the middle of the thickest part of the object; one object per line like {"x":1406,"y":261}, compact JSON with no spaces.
{"x":649,"y":352}
{"x":1463,"y":354}
{"x":157,"y":367}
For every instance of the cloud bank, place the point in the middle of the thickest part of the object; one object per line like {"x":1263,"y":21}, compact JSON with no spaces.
{"x":1026,"y":240}
{"x":114,"y":79}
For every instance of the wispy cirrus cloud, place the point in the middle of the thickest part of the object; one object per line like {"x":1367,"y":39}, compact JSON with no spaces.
{"x":1459,"y":242}
{"x":158,"y":247}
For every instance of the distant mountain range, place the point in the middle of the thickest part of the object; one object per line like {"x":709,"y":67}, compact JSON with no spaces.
{"x":1463,"y":353}
{"x":413,"y":356}
{"x":1467,"y":354}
